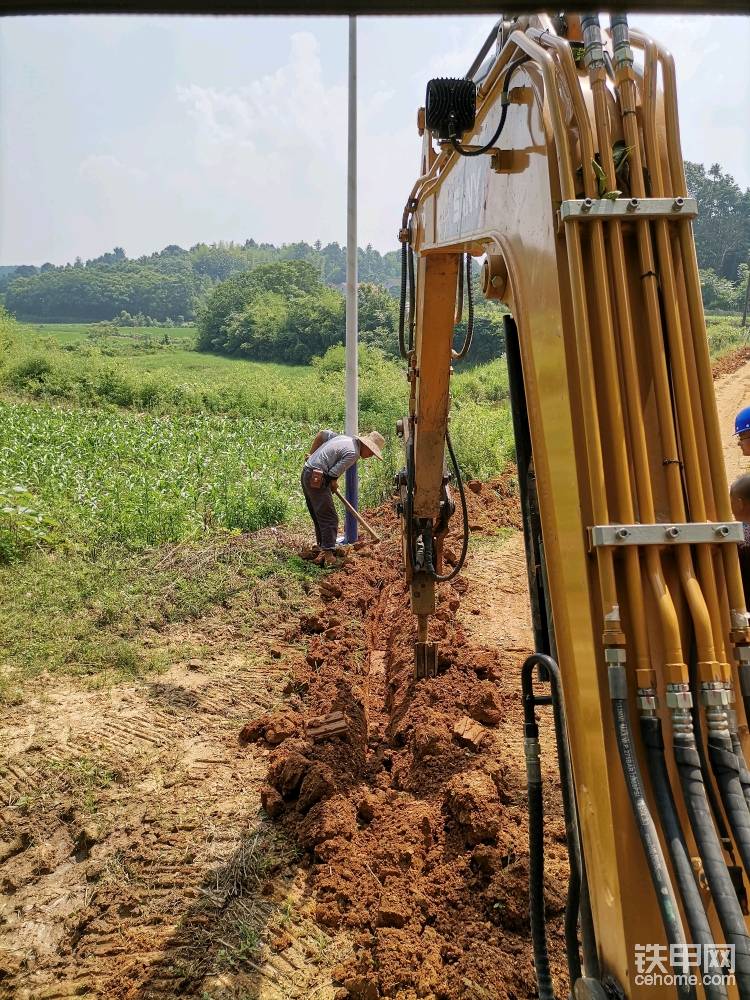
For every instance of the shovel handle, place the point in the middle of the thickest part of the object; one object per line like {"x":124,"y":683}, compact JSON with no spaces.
{"x":355,"y":513}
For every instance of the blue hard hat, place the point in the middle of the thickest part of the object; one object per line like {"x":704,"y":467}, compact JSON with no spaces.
{"x":742,"y":421}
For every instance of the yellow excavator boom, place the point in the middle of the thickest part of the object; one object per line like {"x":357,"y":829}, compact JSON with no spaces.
{"x":559,"y":161}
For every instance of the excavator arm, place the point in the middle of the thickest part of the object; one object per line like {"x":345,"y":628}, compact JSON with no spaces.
{"x":558,"y":161}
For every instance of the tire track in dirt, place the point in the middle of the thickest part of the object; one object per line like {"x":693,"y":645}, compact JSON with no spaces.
{"x":134,"y":859}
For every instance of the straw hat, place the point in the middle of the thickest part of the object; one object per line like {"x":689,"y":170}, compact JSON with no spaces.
{"x":374,"y":442}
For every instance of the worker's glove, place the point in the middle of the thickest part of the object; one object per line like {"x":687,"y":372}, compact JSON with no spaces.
{"x":334,"y":486}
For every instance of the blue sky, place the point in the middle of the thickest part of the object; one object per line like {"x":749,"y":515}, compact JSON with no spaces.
{"x":144,"y":131}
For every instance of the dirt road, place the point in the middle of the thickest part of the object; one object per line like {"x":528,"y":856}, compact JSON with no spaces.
{"x":136,"y":860}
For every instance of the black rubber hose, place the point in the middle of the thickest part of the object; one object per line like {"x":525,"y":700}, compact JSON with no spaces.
{"x":409,"y":512}
{"x":503,"y":115}
{"x":697,"y":921}
{"x":412,"y":296}
{"x":536,"y":835}
{"x":459,"y":312}
{"x":744,"y":772}
{"x":726,"y":769}
{"x":470,"y":310}
{"x":402,"y":303}
{"x":713,"y":799}
{"x":652,"y":849}
{"x":443,"y":577}
{"x":709,"y":847}
{"x":572,"y":835}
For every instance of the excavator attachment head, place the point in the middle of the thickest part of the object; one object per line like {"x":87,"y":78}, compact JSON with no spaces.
{"x":425,"y":659}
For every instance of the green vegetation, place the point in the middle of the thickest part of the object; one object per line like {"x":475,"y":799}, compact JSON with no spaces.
{"x":721,"y":294}
{"x":133,"y":467}
{"x":725,"y":334}
{"x":722,"y":229}
{"x":171,"y":285}
{"x":92,"y":612}
{"x":167,"y":284}
{"x":277,"y":312}
{"x":283,"y":312}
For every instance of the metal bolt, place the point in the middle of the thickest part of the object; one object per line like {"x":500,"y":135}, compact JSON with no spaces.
{"x":722,"y":529}
{"x":673,"y":532}
{"x":587,"y":205}
{"x":632,"y":205}
{"x":677,"y":204}
{"x":622,"y":533}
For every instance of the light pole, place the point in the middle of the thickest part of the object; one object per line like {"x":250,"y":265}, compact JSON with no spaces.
{"x":352,"y":393}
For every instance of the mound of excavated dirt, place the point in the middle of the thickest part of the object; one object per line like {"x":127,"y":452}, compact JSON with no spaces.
{"x":414,"y":822}
{"x":730,"y":363}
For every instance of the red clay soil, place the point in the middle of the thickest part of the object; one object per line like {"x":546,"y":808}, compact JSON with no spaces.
{"x":414,"y":823}
{"x":728,"y":364}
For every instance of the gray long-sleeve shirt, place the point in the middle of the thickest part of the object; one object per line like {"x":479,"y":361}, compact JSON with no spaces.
{"x":338,"y":453}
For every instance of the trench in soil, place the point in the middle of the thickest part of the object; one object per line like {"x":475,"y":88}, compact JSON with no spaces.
{"x":413,"y":824}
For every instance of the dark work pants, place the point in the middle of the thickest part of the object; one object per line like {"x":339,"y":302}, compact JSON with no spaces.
{"x":322,"y":512}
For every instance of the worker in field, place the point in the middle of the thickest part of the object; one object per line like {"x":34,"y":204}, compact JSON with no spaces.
{"x":742,"y":430}
{"x":739,"y":495}
{"x":331,"y":454}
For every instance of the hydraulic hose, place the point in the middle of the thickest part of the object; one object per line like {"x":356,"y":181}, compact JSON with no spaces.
{"x":412,"y":297}
{"x":407,"y":284}
{"x":717,"y":875}
{"x":470,"y":310}
{"x":700,"y":932}
{"x":402,"y":302}
{"x":409,"y":506}
{"x":503,"y":115}
{"x":654,"y":858}
{"x":743,"y":769}
{"x":460,"y":297}
{"x":713,"y":799}
{"x":572,"y":833}
{"x":443,"y":577}
{"x":536,"y":830}
{"x":726,"y":769}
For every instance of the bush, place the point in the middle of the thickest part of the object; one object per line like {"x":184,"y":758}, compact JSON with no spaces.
{"x":28,"y":372}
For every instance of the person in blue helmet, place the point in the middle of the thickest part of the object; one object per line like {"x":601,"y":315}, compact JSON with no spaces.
{"x":742,"y":429}
{"x":739,"y":495}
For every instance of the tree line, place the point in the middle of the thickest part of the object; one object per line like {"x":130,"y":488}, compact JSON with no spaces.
{"x":181,"y":285}
{"x":170,"y":283}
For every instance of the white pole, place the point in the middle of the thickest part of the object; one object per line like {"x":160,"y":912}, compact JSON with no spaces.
{"x":352,"y":394}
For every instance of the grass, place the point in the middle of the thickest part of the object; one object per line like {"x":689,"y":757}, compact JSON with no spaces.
{"x":98,"y":615}
{"x":121,"y":447}
{"x":725,"y":334}
{"x":83,"y":778}
{"x":162,"y":444}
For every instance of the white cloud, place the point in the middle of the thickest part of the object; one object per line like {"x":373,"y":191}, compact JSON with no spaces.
{"x":278,"y":143}
{"x":238,"y":129}
{"x":108,"y":171}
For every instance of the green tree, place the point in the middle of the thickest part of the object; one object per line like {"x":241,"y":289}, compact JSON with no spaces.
{"x":378,"y":318}
{"x":277,"y":312}
{"x":722,"y":229}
